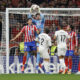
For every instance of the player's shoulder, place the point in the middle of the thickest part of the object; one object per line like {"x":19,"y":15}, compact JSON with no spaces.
{"x":47,"y":36}
{"x":25,"y":26}
{"x":56,"y":31}
{"x":34,"y":25}
{"x":43,"y":34}
{"x":73,"y":32}
{"x":63,"y":31}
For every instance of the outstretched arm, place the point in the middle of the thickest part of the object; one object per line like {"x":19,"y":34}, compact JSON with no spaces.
{"x":16,"y":36}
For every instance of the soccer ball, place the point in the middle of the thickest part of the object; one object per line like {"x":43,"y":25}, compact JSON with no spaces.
{"x":35,"y":9}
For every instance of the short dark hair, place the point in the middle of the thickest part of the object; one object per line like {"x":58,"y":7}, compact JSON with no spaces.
{"x":37,"y":14}
{"x":29,"y":19}
{"x":72,"y":27}
{"x":62,"y":27}
{"x":46,"y":30}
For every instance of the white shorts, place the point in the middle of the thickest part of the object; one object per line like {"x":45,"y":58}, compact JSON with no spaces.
{"x":61,"y":51}
{"x":44,"y":52}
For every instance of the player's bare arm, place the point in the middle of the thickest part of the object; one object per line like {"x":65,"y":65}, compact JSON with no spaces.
{"x":16,"y":36}
{"x":54,"y":38}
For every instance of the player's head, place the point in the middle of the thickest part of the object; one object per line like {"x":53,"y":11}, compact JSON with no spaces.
{"x":63,"y":27}
{"x":38,"y":16}
{"x":70,"y":28}
{"x":46,"y":30}
{"x":29,"y":21}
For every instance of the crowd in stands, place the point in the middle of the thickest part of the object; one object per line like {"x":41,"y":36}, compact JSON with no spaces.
{"x":42,"y":3}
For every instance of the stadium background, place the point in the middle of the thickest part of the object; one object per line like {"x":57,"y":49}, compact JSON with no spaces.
{"x":48,"y":23}
{"x":43,"y":4}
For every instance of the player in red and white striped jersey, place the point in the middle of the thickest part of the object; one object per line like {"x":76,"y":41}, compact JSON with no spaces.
{"x":73,"y":40}
{"x":73,"y":44}
{"x":29,"y":42}
{"x":29,"y":33}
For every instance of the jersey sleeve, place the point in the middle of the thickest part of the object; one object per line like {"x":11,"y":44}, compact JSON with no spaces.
{"x":23,"y":29}
{"x":49,"y":41}
{"x":35,"y":28}
{"x":43,"y":20}
{"x":56,"y":33}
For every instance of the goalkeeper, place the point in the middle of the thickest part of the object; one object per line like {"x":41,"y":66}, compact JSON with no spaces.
{"x":38,"y":20}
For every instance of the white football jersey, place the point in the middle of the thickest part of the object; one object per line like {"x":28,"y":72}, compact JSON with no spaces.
{"x":44,"y":40}
{"x":61,"y":37}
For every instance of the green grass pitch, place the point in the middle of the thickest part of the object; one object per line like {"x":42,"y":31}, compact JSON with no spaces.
{"x":39,"y":77}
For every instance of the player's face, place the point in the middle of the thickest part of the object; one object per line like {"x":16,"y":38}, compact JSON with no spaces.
{"x":68,"y":28}
{"x":38,"y":17}
{"x":29,"y":21}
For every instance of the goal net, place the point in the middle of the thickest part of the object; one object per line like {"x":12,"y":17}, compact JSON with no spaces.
{"x":54,"y":18}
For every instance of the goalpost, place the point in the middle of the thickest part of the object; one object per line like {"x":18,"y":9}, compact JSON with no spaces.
{"x":16,"y":19}
{"x":2,"y":43}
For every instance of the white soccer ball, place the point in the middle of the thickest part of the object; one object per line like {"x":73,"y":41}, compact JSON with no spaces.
{"x":34,"y":6}
{"x":35,"y":9}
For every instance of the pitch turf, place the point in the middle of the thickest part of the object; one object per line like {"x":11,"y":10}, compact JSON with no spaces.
{"x":39,"y":77}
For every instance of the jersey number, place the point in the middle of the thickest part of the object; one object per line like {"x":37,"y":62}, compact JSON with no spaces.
{"x":63,"y":38}
{"x":42,"y":40}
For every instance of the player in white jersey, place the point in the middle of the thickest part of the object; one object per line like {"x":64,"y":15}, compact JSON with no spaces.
{"x":61,"y":36}
{"x":44,"y":45}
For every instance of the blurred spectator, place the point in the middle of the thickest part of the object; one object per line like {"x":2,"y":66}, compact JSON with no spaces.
{"x":41,"y":3}
{"x":13,"y":20}
{"x":51,"y":4}
{"x":24,"y":19}
{"x":15,"y":30}
{"x":15,"y":3}
{"x":0,"y":27}
{"x":79,"y":36}
{"x":9,"y":3}
{"x":78,"y":3}
{"x":28,"y":4}
{"x":20,"y":5}
{"x":2,"y":7}
{"x":64,"y":2}
{"x":71,"y":4}
{"x":37,"y":1}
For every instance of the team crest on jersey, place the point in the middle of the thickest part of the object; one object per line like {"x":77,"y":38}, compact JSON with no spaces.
{"x":30,"y":33}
